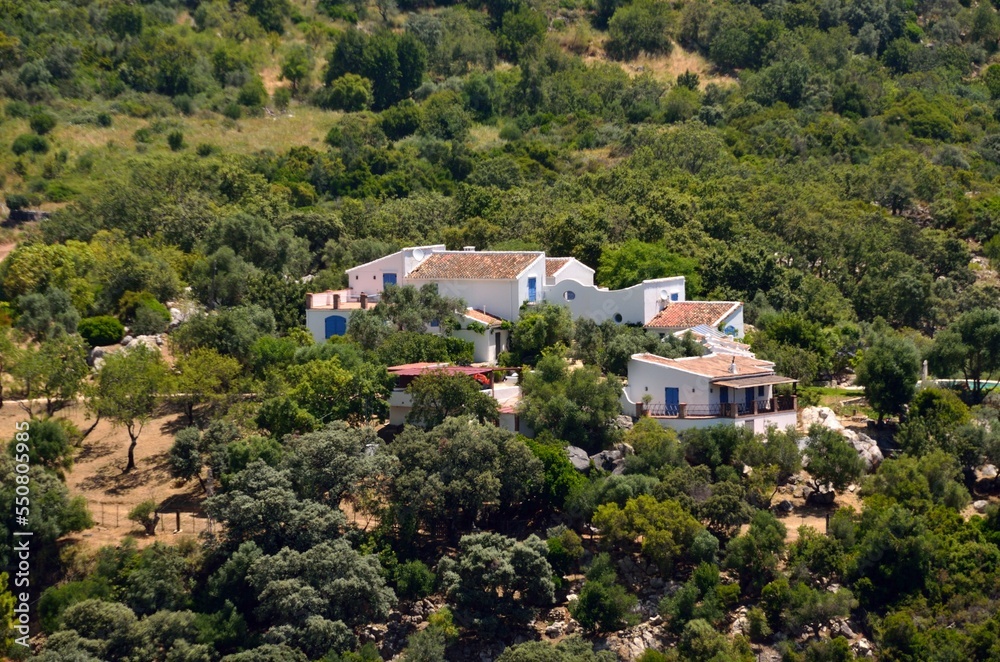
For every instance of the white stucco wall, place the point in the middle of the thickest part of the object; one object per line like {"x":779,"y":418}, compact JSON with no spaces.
{"x":735,"y":319}
{"x":644,"y":377}
{"x":400,"y":404}
{"x":485,"y":343}
{"x":575,"y":270}
{"x":597,"y":304}
{"x":511,"y":423}
{"x":496,"y":297}
{"x":636,"y":305}
{"x":367,"y":277}
{"x":651,"y":378}
{"x":316,"y":321}
{"x":537,"y":271}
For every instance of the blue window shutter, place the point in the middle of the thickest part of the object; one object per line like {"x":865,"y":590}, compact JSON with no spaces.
{"x":335,"y":325}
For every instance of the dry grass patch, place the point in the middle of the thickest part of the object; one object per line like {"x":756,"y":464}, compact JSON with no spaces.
{"x":484,"y":137}
{"x":96,"y":475}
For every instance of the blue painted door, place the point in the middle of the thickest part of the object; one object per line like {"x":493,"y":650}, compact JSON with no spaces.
{"x":531,"y":289}
{"x":672,"y":399}
{"x":749,"y":392}
{"x":335,"y":326}
{"x":724,"y":394}
{"x":388,"y":279}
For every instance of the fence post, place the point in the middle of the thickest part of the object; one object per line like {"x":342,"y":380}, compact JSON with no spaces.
{"x":178,"y":521}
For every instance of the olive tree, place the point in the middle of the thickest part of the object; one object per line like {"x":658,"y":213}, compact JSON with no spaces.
{"x":126,"y":390}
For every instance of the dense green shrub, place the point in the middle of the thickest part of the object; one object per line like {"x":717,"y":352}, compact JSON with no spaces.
{"x":350,"y":93}
{"x":175,"y":139}
{"x":102,"y":330}
{"x":414,"y":580}
{"x":42,"y":122}
{"x":29,"y":142}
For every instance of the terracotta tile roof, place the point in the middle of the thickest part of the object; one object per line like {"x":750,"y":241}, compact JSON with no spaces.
{"x":474,"y":265}
{"x":714,"y":366}
{"x":686,"y":314}
{"x":554,"y":264}
{"x":484,"y":317}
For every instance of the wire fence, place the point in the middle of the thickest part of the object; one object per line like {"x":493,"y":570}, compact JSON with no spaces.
{"x":111,"y":515}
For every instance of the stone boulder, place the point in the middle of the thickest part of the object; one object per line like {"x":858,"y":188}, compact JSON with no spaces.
{"x":819,"y":495}
{"x":630,"y":644}
{"x":986,"y":478}
{"x":579,"y":458}
{"x":623,"y":422}
{"x":822,"y":415}
{"x":98,"y":353}
{"x":866,"y":447}
{"x":152,"y":342}
{"x":783,"y":507}
{"x":980,"y":505}
{"x":181,"y":311}
{"x":612,"y":461}
{"x":624,"y":449}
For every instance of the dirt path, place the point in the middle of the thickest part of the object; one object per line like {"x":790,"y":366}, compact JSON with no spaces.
{"x":6,"y":249}
{"x":97,"y":476}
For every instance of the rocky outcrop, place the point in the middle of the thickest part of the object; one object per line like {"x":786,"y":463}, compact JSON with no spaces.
{"x":612,"y":461}
{"x":819,"y":495}
{"x":579,"y":458}
{"x":153,"y":342}
{"x":986,"y":479}
{"x":630,"y":644}
{"x":866,"y":447}
{"x":96,"y":357}
{"x":821,"y":415}
{"x":181,"y":311}
{"x":623,"y":422}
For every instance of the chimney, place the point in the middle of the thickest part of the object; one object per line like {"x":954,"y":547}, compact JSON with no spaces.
{"x":923,"y":371}
{"x":732,"y":367}
{"x":336,"y":302}
{"x":364,"y":301}
{"x":309,"y":301}
{"x":469,"y":249}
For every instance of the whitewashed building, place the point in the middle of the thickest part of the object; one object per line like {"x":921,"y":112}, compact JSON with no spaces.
{"x":495,"y":284}
{"x":713,"y":389}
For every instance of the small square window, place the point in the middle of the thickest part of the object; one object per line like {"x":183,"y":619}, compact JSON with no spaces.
{"x":673,"y":296}
{"x":760,"y":391}
{"x":435,"y":322}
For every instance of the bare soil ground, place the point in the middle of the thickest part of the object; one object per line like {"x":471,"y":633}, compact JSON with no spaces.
{"x":812,"y":516}
{"x":5,"y":250}
{"x":97,"y":476}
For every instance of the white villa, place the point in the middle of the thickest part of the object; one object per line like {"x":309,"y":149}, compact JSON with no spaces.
{"x":708,"y":390}
{"x":494,"y":284}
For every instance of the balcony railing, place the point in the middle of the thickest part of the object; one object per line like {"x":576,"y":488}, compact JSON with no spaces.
{"x":720,"y":409}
